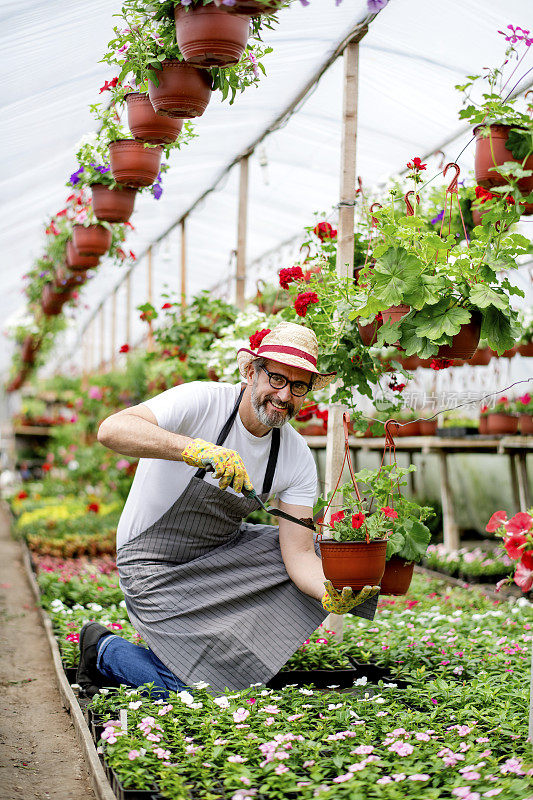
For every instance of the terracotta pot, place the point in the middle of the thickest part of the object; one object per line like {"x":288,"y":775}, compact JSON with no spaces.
{"x":95,"y":240}
{"x":395,"y":313}
{"x":526,"y":349}
{"x":397,"y":576}
{"x":510,"y":353}
{"x":76,"y":262}
{"x":502,"y":423}
{"x":146,"y":125}
{"x":481,"y":357}
{"x":465,"y":342}
{"x":253,"y":8}
{"x":134,"y":164}
{"x":17,"y":381}
{"x":369,"y":333}
{"x":405,"y":429}
{"x":312,"y":430}
{"x":526,"y":424}
{"x":113,"y":205}
{"x":354,"y":564}
{"x":183,"y":91}
{"x":52,"y":302}
{"x":492,"y":152}
{"x":30,"y":347}
{"x":208,"y":36}
{"x":411,"y":362}
{"x":64,"y":279}
{"x":483,"y":425}
{"x":428,"y":427}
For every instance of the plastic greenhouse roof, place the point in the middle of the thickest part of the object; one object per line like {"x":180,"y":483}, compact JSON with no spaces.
{"x":412,"y":56}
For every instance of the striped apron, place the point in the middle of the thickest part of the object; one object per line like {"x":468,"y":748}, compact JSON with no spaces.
{"x":210,"y":594}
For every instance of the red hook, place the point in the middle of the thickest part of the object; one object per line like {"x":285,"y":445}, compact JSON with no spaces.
{"x":360,"y":185}
{"x":443,"y":156}
{"x":373,"y":207}
{"x":453,"y":185}
{"x":410,"y":210}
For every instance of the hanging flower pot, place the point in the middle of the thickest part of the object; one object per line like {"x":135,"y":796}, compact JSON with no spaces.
{"x":30,"y":346}
{"x":491,"y":151}
{"x":183,"y":91}
{"x":397,"y":576}
{"x":411,"y":362}
{"x":369,"y":333}
{"x":502,"y":424}
{"x":465,"y":342}
{"x":526,"y":349}
{"x":312,"y":430}
{"x":483,"y":425}
{"x":481,"y":357}
{"x":148,"y":126}
{"x":355,"y":564}
{"x":405,"y":428}
{"x":64,"y":279}
{"x":95,"y":240}
{"x":18,"y":380}
{"x":526,"y":424}
{"x":77,"y":262}
{"x":253,"y":8}
{"x":52,"y":302}
{"x":208,"y":36}
{"x":510,"y":353}
{"x":113,"y":205}
{"x":395,"y":313}
{"x":134,"y":164}
{"x":428,"y":427}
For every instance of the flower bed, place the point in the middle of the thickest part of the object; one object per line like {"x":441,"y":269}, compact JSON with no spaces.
{"x":470,"y":564}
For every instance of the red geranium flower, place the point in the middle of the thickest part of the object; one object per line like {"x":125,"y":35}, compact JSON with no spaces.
{"x":307,"y":412}
{"x":94,"y":507}
{"x":257,"y":337}
{"x":288,"y":275}
{"x":22,"y":495}
{"x":337,"y":517}
{"x":416,"y":163}
{"x":520,"y":523}
{"x":166,"y":305}
{"x":324,"y":231}
{"x":483,"y":194}
{"x":513,"y":545}
{"x":397,"y":387}
{"x":108,"y":85}
{"x":357,"y":521}
{"x":124,"y":349}
{"x":46,"y":467}
{"x":440,"y":363}
{"x":496,"y":521}
{"x":303,"y":301}
{"x":389,"y":512}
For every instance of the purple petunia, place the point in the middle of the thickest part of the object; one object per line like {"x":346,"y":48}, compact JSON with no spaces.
{"x":376,"y":5}
{"x":75,"y":177}
{"x":438,"y":218}
{"x":101,"y":170}
{"x":157,"y":190}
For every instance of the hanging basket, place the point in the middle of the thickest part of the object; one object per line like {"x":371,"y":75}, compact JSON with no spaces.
{"x":95,"y":240}
{"x":369,"y":333}
{"x":397,"y":576}
{"x":526,"y":350}
{"x":52,"y":302}
{"x":148,"y":126}
{"x":64,"y":279}
{"x":183,"y":91}
{"x":253,"y":8}
{"x":113,"y":205}
{"x":30,"y":346}
{"x":395,"y":313}
{"x":502,"y":424}
{"x":79,"y":263}
{"x":18,"y":380}
{"x":355,"y":564}
{"x":481,"y":357}
{"x":483,"y":425}
{"x":399,"y":428}
{"x":464,"y":343}
{"x":134,"y":164}
{"x":509,"y":353}
{"x":428,"y":427}
{"x":491,"y":151}
{"x":526,"y":424}
{"x":208,"y":36}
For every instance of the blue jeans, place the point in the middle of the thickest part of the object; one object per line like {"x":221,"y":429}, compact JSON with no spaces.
{"x":125,"y":662}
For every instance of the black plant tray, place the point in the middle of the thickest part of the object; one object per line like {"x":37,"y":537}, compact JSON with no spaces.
{"x":457,"y":433}
{"x":343,"y":678}
{"x":122,"y":793}
{"x":70,"y":672}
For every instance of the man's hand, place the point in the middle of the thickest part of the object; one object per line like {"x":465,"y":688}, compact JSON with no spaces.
{"x":342,"y":602}
{"x":227,"y":464}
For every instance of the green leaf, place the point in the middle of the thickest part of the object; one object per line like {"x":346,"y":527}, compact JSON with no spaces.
{"x":441,"y":319}
{"x":417,"y":537}
{"x":482,"y":296}
{"x":520,"y":143}
{"x":395,"y":542}
{"x":396,"y":275}
{"x":500,"y":333}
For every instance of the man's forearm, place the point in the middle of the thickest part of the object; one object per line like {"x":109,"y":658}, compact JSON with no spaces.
{"x":132,"y":435}
{"x":308,"y":574}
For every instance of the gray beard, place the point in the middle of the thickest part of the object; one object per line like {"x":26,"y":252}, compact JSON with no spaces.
{"x":270,"y":418}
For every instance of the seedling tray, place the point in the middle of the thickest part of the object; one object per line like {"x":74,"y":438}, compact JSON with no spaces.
{"x":457,"y":433}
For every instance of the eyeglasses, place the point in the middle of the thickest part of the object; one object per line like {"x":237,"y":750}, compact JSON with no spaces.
{"x":298,"y":388}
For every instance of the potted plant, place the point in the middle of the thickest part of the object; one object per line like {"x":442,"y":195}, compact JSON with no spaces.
{"x":517,"y":536}
{"x":502,"y":418}
{"x":524,"y":408}
{"x":482,"y":356}
{"x":525,"y":347}
{"x":252,"y":7}
{"x":503,"y":131}
{"x":208,"y":36}
{"x":483,"y":420}
{"x":311,"y":420}
{"x":455,"y":426}
{"x":409,"y":424}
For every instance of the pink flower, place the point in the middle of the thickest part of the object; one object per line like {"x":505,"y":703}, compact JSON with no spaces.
{"x":343,"y":778}
{"x":418,"y":777}
{"x":133,"y":754}
{"x":363,"y":750}
{"x":240,"y":715}
{"x":514,"y":545}
{"x":95,"y":393}
{"x":520,"y":523}
{"x":492,"y":792}
{"x":401,"y":748}
{"x":523,"y":577}
{"x":496,"y":521}
{"x":122,"y":464}
{"x":384,"y":779}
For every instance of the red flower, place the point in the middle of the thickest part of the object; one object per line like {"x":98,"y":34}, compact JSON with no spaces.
{"x":166,"y":305}
{"x":527,"y":559}
{"x":523,"y":577}
{"x":257,"y":337}
{"x":358,"y":521}
{"x":52,"y":228}
{"x":133,"y":256}
{"x":288,"y":275}
{"x":124,"y":349}
{"x":182,"y":356}
{"x":46,"y":467}
{"x":389,"y":512}
{"x":397,"y":387}
{"x":94,"y":507}
{"x":324,"y":231}
{"x":121,"y":254}
{"x":108,"y":85}
{"x":484,"y":409}
{"x":307,"y":412}
{"x":416,"y":163}
{"x":496,"y":521}
{"x":337,"y":517}
{"x":519,"y":524}
{"x":483,"y":194}
{"x":22,"y":495}
{"x":513,"y":545}
{"x":323,"y":415}
{"x":440,"y":363}
{"x":303,"y":300}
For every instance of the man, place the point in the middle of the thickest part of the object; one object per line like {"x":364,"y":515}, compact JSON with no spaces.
{"x":217,"y":599}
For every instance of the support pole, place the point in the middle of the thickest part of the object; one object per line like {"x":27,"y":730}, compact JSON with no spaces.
{"x":449,"y":526}
{"x":241,"y":234}
{"x":345,"y":244}
{"x":128,"y":308}
{"x":183,"y":265}
{"x":149,"y":296}
{"x":114,"y":329}
{"x":102,"y":334}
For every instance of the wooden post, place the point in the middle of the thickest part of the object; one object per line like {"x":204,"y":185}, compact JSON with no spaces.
{"x":114,"y":329}
{"x":149,"y":297}
{"x":514,"y":484}
{"x":449,"y":526}
{"x":345,"y":244}
{"x":128,"y":308}
{"x":523,"y":485}
{"x":102,"y":334}
{"x":240,"y":285}
{"x":183,"y":265}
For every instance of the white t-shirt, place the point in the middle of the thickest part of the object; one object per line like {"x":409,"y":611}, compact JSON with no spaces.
{"x":200,"y":410}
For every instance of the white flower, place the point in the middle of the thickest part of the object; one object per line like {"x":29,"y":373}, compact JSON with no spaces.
{"x":94,"y":607}
{"x":186,"y":697}
{"x":200,"y":685}
{"x":222,"y":702}
{"x":122,"y":604}
{"x":134,"y":706}
{"x":361,"y":681}
{"x":305,"y":691}
{"x":333,"y":706}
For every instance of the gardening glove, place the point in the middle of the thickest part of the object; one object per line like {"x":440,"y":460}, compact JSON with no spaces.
{"x":227,"y":464}
{"x":335,"y":602}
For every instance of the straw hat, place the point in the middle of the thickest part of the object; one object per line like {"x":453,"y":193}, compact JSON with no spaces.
{"x":290,"y":344}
